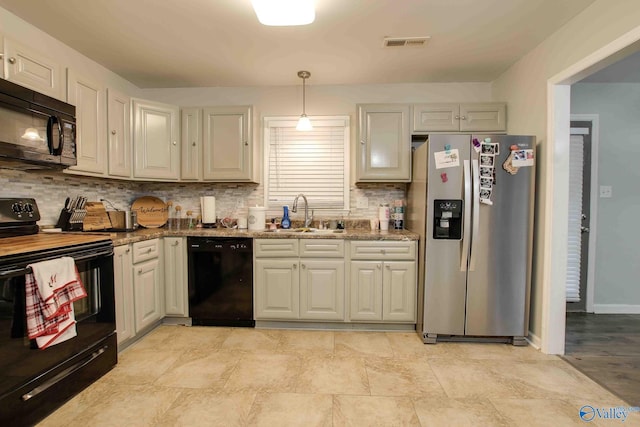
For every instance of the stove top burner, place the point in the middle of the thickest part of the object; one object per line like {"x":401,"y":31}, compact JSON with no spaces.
{"x":18,"y":217}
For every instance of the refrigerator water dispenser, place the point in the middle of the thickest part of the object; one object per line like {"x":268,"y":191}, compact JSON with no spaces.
{"x":447,"y":219}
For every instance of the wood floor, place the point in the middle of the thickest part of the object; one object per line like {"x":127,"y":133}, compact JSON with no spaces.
{"x":606,"y":347}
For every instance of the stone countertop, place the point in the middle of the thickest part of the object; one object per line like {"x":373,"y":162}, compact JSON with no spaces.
{"x":123,"y":238}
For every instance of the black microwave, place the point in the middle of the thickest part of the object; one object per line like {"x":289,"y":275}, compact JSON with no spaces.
{"x":35,"y":128}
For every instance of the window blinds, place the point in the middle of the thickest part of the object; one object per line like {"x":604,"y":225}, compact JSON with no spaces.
{"x":574,"y":246}
{"x":310,"y":162}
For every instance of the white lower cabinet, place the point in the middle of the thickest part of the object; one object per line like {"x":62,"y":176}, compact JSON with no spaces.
{"x":299,"y":279}
{"x":146,"y":278}
{"x":148,"y":283}
{"x":321,"y":289}
{"x":366,"y":290}
{"x":123,"y":283}
{"x":399,"y":291}
{"x":277,"y":288}
{"x":139,"y":287}
{"x":175,"y":277}
{"x":383,"y":281}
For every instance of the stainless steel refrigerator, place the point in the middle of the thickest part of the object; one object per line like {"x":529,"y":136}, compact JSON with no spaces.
{"x":471,"y":201}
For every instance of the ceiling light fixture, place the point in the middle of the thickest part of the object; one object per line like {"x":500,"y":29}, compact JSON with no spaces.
{"x":304,"y":123}
{"x":284,"y":12}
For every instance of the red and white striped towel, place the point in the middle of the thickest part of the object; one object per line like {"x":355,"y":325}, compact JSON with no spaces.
{"x":50,"y":292}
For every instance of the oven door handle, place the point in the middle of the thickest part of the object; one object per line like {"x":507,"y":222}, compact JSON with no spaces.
{"x":25,"y":270}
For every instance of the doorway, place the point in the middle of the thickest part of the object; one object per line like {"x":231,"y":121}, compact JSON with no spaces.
{"x":583,"y":172}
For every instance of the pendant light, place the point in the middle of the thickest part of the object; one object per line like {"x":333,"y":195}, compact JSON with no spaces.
{"x":304,"y":123}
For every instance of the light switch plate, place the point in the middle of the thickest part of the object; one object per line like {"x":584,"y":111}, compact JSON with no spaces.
{"x":606,"y":191}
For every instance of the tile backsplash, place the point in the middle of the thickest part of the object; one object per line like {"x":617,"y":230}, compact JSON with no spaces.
{"x":50,"y":188}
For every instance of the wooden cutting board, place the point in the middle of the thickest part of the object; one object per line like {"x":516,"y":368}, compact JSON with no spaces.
{"x":152,"y":212}
{"x":96,"y":218}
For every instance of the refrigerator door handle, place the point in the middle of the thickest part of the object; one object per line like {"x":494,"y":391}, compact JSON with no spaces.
{"x":464,"y":256}
{"x":476,"y":213}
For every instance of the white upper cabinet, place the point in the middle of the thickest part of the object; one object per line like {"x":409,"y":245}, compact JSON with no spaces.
{"x":119,"y":133}
{"x":490,"y":117}
{"x":217,"y":144}
{"x":156,"y":136}
{"x":30,"y":68}
{"x":384,"y":143}
{"x":88,"y":97}
{"x":191,"y":141}
{"x":227,"y":143}
{"x":468,"y":117}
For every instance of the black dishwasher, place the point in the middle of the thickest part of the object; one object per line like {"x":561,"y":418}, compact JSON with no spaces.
{"x":221,"y":281}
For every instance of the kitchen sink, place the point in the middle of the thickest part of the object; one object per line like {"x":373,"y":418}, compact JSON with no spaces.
{"x":304,"y":230}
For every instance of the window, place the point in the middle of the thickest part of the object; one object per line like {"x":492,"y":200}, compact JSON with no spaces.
{"x":314,"y":163}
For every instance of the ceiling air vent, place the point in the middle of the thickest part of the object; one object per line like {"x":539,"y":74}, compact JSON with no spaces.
{"x":405,"y":41}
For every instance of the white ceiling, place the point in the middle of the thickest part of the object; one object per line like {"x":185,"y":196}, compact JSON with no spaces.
{"x":196,"y":43}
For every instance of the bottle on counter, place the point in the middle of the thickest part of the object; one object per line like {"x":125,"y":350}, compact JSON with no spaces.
{"x":170,"y":223}
{"x":178,"y":218}
{"x":285,"y":223}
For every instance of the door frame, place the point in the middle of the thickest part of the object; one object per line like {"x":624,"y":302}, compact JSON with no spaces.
{"x":593,"y":205}
{"x":557,"y":184}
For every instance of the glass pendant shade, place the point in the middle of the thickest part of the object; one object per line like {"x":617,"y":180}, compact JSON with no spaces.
{"x":304,"y":123}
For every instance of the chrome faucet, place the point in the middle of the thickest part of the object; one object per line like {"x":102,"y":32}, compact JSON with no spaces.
{"x":294,"y":209}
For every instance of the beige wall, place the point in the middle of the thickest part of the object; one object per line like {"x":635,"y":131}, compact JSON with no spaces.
{"x":524,"y":87}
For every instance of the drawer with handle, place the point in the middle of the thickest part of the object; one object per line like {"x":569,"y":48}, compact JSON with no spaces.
{"x":146,"y":250}
{"x":383,"y":250}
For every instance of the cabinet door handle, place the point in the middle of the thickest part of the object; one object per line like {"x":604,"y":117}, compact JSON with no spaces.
{"x":457,"y":117}
{"x":362,"y":142}
{"x":113,"y":132}
{"x":463,"y":118}
{"x":303,"y":266}
{"x":193,"y":143}
{"x":149,"y":250}
{"x":384,"y":251}
{"x":378,"y":266}
{"x":246,"y":144}
{"x":175,"y":143}
{"x":1,"y":56}
{"x":12,"y":60}
{"x":140,"y":271}
{"x":295,"y":266}
{"x":176,"y":243}
{"x":388,"y":267}
{"x":127,"y":251}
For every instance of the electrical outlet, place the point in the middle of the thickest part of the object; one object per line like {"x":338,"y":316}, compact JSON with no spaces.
{"x":606,"y":191}
{"x":363,"y":202}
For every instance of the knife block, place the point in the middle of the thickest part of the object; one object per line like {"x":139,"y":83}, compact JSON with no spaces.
{"x":67,"y":222}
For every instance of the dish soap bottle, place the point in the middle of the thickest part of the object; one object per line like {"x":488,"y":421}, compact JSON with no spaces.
{"x":285,"y":223}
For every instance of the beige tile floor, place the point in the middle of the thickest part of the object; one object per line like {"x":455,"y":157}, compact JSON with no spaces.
{"x":197,"y":376}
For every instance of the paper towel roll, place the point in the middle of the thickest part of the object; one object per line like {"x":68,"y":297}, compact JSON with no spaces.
{"x":208,"y":206}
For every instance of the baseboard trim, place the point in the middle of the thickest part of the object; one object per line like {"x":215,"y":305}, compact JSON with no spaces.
{"x":534,"y":340}
{"x":616,"y":309}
